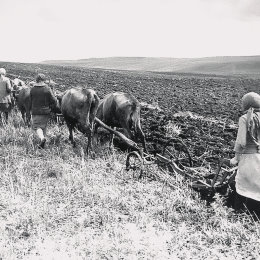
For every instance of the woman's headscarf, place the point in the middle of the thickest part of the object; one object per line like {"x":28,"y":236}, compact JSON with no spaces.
{"x":250,"y":106}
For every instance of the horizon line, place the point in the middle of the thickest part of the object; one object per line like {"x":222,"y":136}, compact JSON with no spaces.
{"x":136,"y":57}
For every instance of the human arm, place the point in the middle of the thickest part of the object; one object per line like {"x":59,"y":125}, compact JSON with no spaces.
{"x":30,"y":100}
{"x":235,"y":160}
{"x":240,"y":143}
{"x":54,"y":104}
{"x":8,"y":86}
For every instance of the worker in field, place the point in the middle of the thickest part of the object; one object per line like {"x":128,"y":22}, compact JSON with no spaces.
{"x":42,"y":99}
{"x":5,"y":94}
{"x":247,"y":154}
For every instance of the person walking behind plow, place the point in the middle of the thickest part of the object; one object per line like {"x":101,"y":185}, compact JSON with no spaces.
{"x":247,"y":155}
{"x":5,"y":94}
{"x":42,"y":100}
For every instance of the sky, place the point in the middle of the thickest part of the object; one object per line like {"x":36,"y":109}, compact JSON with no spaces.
{"x":37,"y":30}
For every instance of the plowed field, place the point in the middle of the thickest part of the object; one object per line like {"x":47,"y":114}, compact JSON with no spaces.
{"x":213,"y":102}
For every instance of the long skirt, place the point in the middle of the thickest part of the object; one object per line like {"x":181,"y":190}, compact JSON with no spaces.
{"x":248,"y":176}
{"x":242,"y":203}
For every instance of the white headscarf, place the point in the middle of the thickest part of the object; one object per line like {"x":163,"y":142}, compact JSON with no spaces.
{"x":251,"y":105}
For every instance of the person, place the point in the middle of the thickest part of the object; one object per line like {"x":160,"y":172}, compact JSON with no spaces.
{"x":247,"y":155}
{"x":42,"y":100}
{"x":5,"y":94}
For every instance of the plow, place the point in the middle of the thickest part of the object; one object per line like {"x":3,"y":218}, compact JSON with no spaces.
{"x":175,"y":161}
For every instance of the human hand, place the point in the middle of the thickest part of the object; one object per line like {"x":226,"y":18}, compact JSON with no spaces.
{"x":233,"y":161}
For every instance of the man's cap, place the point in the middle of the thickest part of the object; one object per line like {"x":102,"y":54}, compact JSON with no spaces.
{"x":40,"y":77}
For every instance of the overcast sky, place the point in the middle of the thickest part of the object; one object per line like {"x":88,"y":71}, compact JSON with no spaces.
{"x":36,"y":30}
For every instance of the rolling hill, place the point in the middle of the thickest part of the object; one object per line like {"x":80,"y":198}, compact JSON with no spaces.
{"x":226,"y":65}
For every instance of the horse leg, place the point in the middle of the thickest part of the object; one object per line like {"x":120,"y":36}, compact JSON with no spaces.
{"x":23,"y":116}
{"x":28,"y":118}
{"x":89,"y":145}
{"x":71,"y":128}
{"x":6,"y":117}
{"x":95,"y":133}
{"x":111,"y":139}
{"x":127,"y":131}
{"x":89,"y":133}
{"x":71,"y":136}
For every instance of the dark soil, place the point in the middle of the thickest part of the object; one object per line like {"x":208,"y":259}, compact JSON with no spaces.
{"x":207,"y":96}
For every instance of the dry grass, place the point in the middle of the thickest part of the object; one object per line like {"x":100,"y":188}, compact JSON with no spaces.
{"x":58,"y":204}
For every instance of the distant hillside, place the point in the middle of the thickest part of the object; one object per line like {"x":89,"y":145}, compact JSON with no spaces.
{"x":212,"y":65}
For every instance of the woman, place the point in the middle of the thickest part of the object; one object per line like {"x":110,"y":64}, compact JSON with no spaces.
{"x":247,"y":154}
